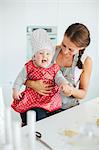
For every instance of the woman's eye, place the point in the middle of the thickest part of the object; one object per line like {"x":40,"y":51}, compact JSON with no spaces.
{"x":64,"y":45}
{"x":48,"y":53}
{"x":70,"y":49}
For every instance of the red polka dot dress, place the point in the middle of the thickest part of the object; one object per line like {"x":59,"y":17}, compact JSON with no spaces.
{"x":31,"y":99}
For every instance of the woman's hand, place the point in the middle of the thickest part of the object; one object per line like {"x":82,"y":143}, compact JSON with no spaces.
{"x":40,"y":87}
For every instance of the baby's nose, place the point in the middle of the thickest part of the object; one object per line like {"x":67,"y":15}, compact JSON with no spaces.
{"x":45,"y":55}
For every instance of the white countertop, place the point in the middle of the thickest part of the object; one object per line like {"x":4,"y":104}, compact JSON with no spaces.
{"x":52,"y":128}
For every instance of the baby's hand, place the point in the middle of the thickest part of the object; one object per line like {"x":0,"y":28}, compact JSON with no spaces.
{"x":63,"y":87}
{"x":17,"y":95}
{"x":66,"y":89}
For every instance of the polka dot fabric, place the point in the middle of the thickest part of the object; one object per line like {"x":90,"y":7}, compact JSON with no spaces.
{"x":31,"y":98}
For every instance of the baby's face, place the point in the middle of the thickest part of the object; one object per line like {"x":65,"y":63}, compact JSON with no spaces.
{"x":43,"y":58}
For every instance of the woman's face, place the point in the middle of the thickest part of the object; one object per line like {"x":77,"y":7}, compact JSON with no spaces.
{"x":68,"y":47}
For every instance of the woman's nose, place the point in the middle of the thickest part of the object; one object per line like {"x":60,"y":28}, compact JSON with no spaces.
{"x":66,"y":51}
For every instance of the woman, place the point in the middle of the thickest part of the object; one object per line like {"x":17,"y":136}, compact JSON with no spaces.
{"x":74,"y":63}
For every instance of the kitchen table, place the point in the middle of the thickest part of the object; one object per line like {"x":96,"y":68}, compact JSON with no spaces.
{"x":79,"y":119}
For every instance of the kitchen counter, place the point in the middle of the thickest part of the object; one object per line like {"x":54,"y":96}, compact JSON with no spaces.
{"x":78,"y":118}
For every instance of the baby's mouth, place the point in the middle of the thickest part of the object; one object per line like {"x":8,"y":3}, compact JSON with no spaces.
{"x":44,"y":60}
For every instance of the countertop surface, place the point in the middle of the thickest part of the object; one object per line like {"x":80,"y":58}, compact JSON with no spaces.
{"x":72,"y":129}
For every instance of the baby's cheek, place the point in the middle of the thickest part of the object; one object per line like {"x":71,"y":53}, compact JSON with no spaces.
{"x":50,"y":59}
{"x":38,"y":58}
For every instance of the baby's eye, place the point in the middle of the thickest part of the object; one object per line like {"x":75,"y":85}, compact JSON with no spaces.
{"x":40,"y":53}
{"x":48,"y":54}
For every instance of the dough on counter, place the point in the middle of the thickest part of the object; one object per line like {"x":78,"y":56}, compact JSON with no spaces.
{"x":97,"y":122}
{"x":70,"y":133}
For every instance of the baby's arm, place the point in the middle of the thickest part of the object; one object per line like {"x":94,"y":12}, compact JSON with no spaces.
{"x":20,"y":80}
{"x":63,"y":83}
{"x":16,"y":94}
{"x":60,"y":79}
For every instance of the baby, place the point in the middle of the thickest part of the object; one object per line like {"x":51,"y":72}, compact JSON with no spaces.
{"x":39,"y":68}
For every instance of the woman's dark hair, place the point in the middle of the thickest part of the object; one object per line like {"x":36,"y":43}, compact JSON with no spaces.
{"x":80,"y":36}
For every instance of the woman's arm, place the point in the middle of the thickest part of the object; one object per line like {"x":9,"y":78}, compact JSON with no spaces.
{"x":39,"y":86}
{"x":84,"y":80}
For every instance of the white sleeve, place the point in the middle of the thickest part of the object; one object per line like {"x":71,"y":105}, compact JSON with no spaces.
{"x":59,"y":78}
{"x":21,"y":79}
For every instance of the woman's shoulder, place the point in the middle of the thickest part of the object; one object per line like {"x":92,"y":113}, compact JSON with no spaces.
{"x":86,"y":57}
{"x":88,"y":61}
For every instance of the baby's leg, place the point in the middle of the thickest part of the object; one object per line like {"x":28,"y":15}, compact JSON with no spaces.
{"x":40,"y":114}
{"x":23,"y":118}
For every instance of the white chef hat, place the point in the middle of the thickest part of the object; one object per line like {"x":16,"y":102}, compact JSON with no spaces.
{"x":40,"y":40}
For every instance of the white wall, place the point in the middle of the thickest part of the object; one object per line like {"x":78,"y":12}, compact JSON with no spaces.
{"x":17,"y":15}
